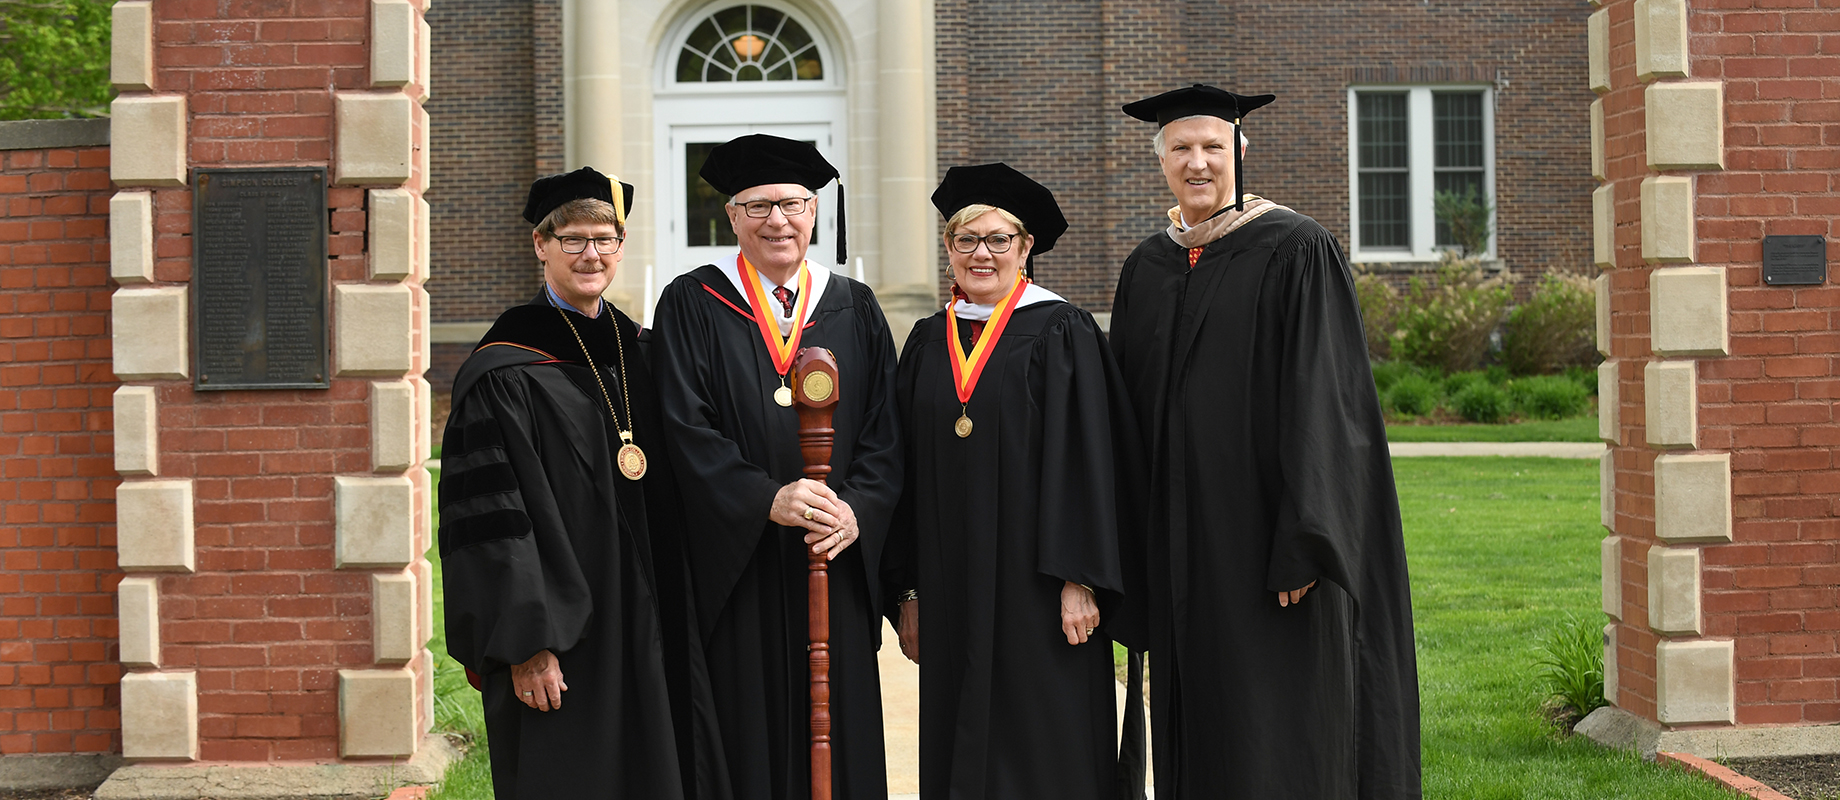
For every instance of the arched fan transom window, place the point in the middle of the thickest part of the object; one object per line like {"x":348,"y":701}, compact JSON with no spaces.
{"x":749,"y":43}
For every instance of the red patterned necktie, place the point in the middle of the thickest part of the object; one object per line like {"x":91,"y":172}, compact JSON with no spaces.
{"x":1194,"y":255}
{"x":784,"y":296}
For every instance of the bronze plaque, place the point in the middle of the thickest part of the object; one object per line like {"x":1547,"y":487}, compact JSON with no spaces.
{"x":1794,"y":260}
{"x":259,"y":278}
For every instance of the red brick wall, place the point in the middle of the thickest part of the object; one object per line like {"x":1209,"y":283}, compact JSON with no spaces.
{"x":1771,"y":403}
{"x":265,"y":620}
{"x":1038,"y":84}
{"x":59,"y":668}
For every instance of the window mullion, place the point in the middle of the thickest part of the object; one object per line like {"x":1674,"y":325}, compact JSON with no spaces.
{"x":1421,"y":135}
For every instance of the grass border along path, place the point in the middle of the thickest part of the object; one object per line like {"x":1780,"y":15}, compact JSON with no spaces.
{"x":1575,"y":429}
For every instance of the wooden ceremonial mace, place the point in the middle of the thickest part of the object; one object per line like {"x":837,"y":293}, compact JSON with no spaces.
{"x":815,"y":382}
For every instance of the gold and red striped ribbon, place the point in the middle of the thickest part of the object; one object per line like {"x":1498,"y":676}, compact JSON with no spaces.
{"x":781,"y":348}
{"x":966,"y":368}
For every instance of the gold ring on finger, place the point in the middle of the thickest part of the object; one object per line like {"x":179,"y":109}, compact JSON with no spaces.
{"x":809,"y":512}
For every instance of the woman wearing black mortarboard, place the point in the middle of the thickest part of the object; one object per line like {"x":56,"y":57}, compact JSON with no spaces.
{"x":561,"y":534}
{"x":722,"y":349}
{"x":1013,"y":527}
{"x":1280,"y":636}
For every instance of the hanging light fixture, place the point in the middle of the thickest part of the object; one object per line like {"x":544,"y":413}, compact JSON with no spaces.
{"x":749,"y":46}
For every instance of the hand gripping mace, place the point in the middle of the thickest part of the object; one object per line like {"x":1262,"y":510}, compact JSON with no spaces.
{"x":815,"y":382}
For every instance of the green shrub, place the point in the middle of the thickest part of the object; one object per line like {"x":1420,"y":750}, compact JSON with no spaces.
{"x":1447,"y":327}
{"x":1457,"y":382}
{"x":1480,"y":401}
{"x":1571,"y":664}
{"x":1412,"y":396}
{"x":1548,"y":396}
{"x":1387,"y":373}
{"x":1583,"y":376}
{"x":1466,"y":216}
{"x":1379,"y":306}
{"x":1554,"y":329}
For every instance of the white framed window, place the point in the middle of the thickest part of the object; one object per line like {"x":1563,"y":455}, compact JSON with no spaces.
{"x":763,"y":45}
{"x":1406,"y":144}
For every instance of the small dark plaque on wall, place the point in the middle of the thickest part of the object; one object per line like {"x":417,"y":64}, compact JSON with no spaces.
{"x":1794,"y":260}
{"x":259,"y":278}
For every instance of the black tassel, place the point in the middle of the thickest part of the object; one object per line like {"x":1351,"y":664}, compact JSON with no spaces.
{"x":843,"y":230}
{"x":1239,"y":171}
{"x":1028,"y":268}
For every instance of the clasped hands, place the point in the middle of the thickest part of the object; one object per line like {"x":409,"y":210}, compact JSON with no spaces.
{"x":811,"y":505}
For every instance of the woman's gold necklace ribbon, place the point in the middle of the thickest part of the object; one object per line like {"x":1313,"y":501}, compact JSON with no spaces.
{"x":968,"y":367}
{"x":781,"y":348}
{"x":630,"y":459}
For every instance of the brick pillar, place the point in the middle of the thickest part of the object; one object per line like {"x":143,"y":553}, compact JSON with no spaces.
{"x":1720,"y":487}
{"x":277,"y":602}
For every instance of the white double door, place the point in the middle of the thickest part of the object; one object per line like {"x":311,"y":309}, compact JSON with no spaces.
{"x":695,"y":229}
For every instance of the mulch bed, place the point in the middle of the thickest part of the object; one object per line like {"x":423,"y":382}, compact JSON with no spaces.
{"x":1800,"y":777}
{"x":46,"y":794}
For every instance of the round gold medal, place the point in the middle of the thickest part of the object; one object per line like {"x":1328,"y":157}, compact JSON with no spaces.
{"x":631,"y":460}
{"x":783,"y":396}
{"x":962,"y":427}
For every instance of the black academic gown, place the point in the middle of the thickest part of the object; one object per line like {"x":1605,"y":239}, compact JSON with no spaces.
{"x":544,"y":545}
{"x":734,"y":448}
{"x":989,"y":529}
{"x":1269,"y":471}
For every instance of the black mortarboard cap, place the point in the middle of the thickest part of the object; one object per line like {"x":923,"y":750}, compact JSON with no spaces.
{"x":550,"y":192}
{"x":1204,"y":100}
{"x":758,"y":159}
{"x":1002,"y":186}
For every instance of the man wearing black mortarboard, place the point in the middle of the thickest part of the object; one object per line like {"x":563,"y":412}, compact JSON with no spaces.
{"x":723,"y":348}
{"x":1280,"y":632}
{"x":561,"y":534}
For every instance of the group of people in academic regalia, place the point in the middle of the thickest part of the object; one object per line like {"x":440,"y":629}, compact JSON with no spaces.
{"x":625,"y":528}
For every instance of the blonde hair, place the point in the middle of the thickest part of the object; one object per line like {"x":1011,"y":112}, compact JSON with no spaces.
{"x":968,"y":213}
{"x":585,"y":209}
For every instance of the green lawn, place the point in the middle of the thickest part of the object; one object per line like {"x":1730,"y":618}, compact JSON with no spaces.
{"x":1501,"y":550}
{"x":1576,"y":429}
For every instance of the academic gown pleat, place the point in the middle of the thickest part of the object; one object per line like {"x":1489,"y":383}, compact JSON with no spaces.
{"x":990,"y":528}
{"x":734,"y":448}
{"x":1269,"y":470}
{"x":545,"y":547}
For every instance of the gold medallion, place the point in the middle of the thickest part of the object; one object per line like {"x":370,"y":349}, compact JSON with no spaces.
{"x":631,"y":460}
{"x":783,"y":396}
{"x":817,"y":386}
{"x":962,"y":427}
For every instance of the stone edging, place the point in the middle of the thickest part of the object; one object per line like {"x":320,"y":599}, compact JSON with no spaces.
{"x":1744,"y":787}
{"x":45,"y":134}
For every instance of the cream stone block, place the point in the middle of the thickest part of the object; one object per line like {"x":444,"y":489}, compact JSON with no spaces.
{"x":374,"y":329}
{"x":424,"y":419}
{"x":138,"y":603}
{"x":1598,"y":170}
{"x":131,"y":46}
{"x":149,"y":333}
{"x":392,"y":234}
{"x":1610,"y":554}
{"x":1610,"y":663}
{"x":424,"y":603}
{"x":1603,"y":225}
{"x":425,"y":144}
{"x":147,"y":140}
{"x":137,"y":431}
{"x":1668,"y":232}
{"x":376,"y":137}
{"x":1693,"y":682}
{"x":159,"y":715}
{"x":1601,"y":285}
{"x":1609,"y":423}
{"x":1661,"y":39}
{"x":393,"y":423}
{"x":1606,"y":486}
{"x":153,"y":526}
{"x":1597,"y":41}
{"x":393,"y":617}
{"x":1686,"y":125}
{"x":375,"y":526}
{"x":393,"y":54}
{"x":1670,"y":397}
{"x":131,"y":237}
{"x":424,"y":323}
{"x":1673,"y":590}
{"x":1688,"y":312}
{"x":423,"y":74}
{"x":377,"y":713}
{"x":424,"y":688}
{"x":422,"y":242}
{"x":1693,"y":497}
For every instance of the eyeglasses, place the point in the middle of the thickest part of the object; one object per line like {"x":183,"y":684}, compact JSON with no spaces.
{"x":997,"y":242}
{"x":605,"y":245}
{"x":791,"y":206}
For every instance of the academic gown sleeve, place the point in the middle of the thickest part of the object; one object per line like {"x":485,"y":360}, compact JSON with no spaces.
{"x":513,"y":583}
{"x":901,"y":555}
{"x":1077,"y":508}
{"x":1338,"y":518}
{"x":873,"y":480}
